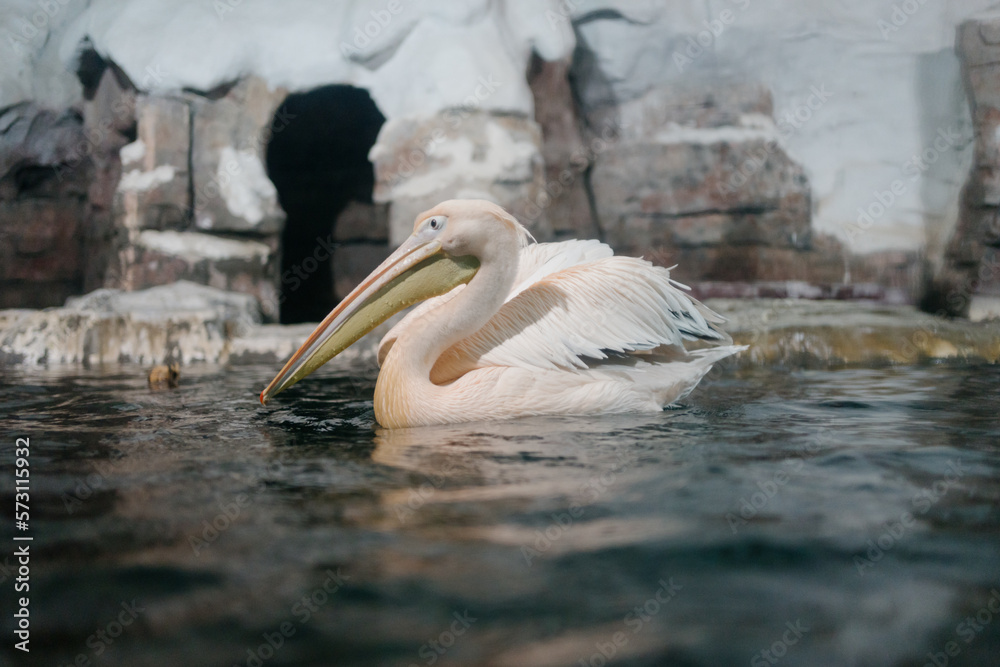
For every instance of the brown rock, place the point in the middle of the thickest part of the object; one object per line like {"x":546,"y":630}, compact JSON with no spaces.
{"x":564,"y":198}
{"x":360,"y":221}
{"x":154,"y":191}
{"x":746,"y":192}
{"x":823,"y":263}
{"x":891,"y":268}
{"x":776,"y":227}
{"x":692,"y":106}
{"x":46,"y":162}
{"x":750,"y":263}
{"x":977,"y":43}
{"x":232,"y":192}
{"x":109,"y":120}
{"x":41,"y":258}
{"x":43,"y":153}
{"x":164,"y":376}
{"x":990,"y":228}
{"x":698,"y":175}
{"x":160,"y":257}
{"x":966,"y":269}
{"x":458,"y":154}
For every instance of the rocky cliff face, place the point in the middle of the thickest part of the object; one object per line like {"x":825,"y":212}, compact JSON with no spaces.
{"x":139,"y":190}
{"x":458,"y":154}
{"x":972,"y":258}
{"x":700,"y":179}
{"x":194,"y":201}
{"x":726,"y":144}
{"x":43,"y":205}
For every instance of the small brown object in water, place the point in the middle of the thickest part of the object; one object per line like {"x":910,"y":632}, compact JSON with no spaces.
{"x":165,"y":377}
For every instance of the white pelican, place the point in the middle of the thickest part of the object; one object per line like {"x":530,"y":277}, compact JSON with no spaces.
{"x":510,"y":329}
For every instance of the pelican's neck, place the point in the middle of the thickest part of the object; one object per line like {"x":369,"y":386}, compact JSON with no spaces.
{"x":461,"y":317}
{"x":404,"y":393}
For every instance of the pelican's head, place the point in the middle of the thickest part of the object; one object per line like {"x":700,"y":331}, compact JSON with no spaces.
{"x":473,"y":227}
{"x":444,"y":251}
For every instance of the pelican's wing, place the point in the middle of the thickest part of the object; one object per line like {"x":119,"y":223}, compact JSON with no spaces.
{"x":540,"y":260}
{"x":585,"y":311}
{"x":535,"y":262}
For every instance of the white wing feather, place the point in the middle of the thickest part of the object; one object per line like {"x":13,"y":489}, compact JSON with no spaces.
{"x":543,"y":259}
{"x":582,"y":311}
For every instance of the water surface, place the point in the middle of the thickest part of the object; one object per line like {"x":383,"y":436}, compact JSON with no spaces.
{"x":838,"y":517}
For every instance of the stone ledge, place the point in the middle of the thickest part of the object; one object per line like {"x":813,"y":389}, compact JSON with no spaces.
{"x":183,"y":322}
{"x":796,"y":332}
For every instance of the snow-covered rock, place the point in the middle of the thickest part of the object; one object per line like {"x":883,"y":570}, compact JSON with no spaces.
{"x":404,"y":53}
{"x":889,"y":84}
{"x":697,"y":168}
{"x":190,"y":323}
{"x":870,"y":95}
{"x":232,"y":192}
{"x":890,"y":70}
{"x":458,"y":154}
{"x":800,"y":332}
{"x":182,"y":322}
{"x":154,"y":189}
{"x":154,"y":257}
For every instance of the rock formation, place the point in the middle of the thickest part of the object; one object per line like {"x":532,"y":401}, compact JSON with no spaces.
{"x":728,"y":145}
{"x":972,"y":258}
{"x":43,"y":206}
{"x":457,"y":154}
{"x":194,"y":201}
{"x":701,"y":176}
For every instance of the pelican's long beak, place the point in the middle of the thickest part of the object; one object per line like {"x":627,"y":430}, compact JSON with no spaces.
{"x":418,"y":270}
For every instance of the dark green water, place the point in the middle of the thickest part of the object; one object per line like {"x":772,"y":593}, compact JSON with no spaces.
{"x":847,"y":517}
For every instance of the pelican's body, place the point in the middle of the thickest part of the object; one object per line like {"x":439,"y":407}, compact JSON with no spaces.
{"x":535,"y":329}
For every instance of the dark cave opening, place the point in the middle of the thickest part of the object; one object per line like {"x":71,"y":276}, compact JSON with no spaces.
{"x":317,"y":159}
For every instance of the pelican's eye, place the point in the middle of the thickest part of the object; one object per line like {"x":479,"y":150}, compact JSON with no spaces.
{"x":437,"y":222}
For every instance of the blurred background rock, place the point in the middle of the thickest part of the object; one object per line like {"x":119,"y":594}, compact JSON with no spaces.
{"x":826,"y":150}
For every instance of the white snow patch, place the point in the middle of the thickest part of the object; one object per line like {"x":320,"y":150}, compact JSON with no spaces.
{"x":140,"y":181}
{"x":133,"y":152}
{"x":984,"y":307}
{"x":422,"y":78}
{"x":752,"y":127}
{"x":505,"y":159}
{"x":195,"y":247}
{"x":244,"y":185}
{"x":426,"y":57}
{"x":677,"y":134}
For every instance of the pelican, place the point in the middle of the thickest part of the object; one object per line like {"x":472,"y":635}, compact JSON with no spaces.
{"x":511,"y":328}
